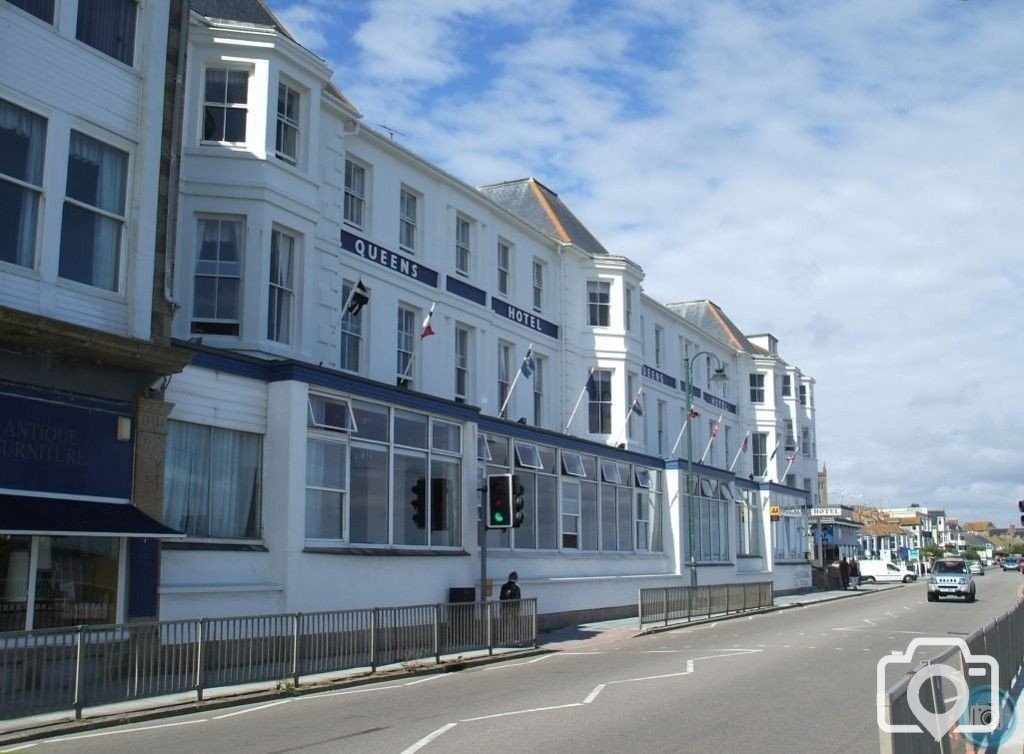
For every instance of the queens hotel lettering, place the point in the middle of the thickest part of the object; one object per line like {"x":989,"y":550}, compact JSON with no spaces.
{"x":371,"y":252}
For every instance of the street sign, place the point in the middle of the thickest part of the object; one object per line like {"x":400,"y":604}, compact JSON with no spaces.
{"x":774,"y":512}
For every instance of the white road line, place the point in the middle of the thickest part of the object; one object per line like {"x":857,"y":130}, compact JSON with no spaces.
{"x":430,"y":737}
{"x":252,"y":709}
{"x":424,"y":680}
{"x":350,"y":691}
{"x":593,"y":694}
{"x":730,"y":654}
{"x":19,"y":748}
{"x":871,"y":622}
{"x":504,"y":665}
{"x":126,"y":730}
{"x":521,"y":712}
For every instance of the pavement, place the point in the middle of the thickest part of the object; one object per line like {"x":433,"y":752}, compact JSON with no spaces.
{"x":582,"y":637}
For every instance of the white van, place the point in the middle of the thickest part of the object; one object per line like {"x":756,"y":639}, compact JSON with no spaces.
{"x":883,"y":570}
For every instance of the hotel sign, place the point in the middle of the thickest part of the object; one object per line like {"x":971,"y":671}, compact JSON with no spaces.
{"x":524,"y":318}
{"x":393,"y":261}
{"x":824,"y":512}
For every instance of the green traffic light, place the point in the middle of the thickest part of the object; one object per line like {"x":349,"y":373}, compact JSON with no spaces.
{"x":498,"y":517}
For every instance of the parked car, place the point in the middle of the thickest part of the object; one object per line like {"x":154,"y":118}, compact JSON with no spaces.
{"x":977,"y":569}
{"x":1011,"y":564}
{"x":951,"y":577}
{"x":883,"y":570}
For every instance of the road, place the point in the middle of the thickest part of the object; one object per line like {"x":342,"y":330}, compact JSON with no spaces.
{"x":796,"y":680}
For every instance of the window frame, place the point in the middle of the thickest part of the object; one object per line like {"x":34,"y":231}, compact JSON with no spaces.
{"x":462,"y":362}
{"x":538,"y":285}
{"x":219,"y":325}
{"x":356,"y":197}
{"x":131,"y":25}
{"x":406,"y":336}
{"x":504,"y":266}
{"x":283,"y":292}
{"x":288,"y":122}
{"x":408,"y":224}
{"x":599,"y":303}
{"x":757,"y":386}
{"x":600,"y":406}
{"x":225,"y":106}
{"x":463,"y":235}
{"x":27,"y":239}
{"x":350,"y":335}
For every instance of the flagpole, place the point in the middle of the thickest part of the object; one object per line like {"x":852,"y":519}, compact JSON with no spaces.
{"x":341,"y":315}
{"x":625,"y":424}
{"x":790,"y":464}
{"x":714,"y":433}
{"x":515,"y":379}
{"x":579,"y":400}
{"x":739,"y":452}
{"x":776,"y":450}
{"x":679,"y":437}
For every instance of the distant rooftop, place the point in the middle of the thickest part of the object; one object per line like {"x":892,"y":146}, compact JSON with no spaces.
{"x":533,"y":202}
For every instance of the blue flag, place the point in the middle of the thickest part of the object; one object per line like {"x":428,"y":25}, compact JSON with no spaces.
{"x":529,"y":366}
{"x":637,"y":406}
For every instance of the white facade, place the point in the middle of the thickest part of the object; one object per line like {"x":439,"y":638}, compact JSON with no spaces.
{"x":300,"y":431}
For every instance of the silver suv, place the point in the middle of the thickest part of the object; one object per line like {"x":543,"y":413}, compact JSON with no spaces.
{"x":951,"y":577}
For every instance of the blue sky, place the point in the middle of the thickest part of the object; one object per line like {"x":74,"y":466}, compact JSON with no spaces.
{"x":846,"y":175}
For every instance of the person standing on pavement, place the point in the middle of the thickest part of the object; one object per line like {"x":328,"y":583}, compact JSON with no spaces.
{"x":854,"y":573}
{"x":844,"y":573}
{"x":510,"y":595}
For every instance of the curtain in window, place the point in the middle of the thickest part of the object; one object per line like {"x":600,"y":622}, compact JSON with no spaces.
{"x":186,"y":477}
{"x":107,"y":193}
{"x":109,"y":26}
{"x":32,"y":128}
{"x":234,"y":484}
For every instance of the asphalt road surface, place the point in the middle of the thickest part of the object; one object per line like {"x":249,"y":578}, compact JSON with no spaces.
{"x":797,"y":680}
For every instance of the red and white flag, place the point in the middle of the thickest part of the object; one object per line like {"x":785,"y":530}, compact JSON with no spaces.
{"x":427,"y":329}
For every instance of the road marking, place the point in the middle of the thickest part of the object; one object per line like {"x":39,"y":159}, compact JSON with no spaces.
{"x":126,"y":730}
{"x":252,"y":709}
{"x":530,"y":662}
{"x":429,"y":737}
{"x":870,"y":622}
{"x":593,"y":694}
{"x":19,"y":748}
{"x":521,"y":712}
{"x":424,"y":680}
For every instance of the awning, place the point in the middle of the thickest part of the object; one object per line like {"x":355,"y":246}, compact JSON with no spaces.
{"x":61,"y":517}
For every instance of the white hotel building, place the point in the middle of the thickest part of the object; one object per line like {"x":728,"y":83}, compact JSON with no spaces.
{"x":299,"y":430}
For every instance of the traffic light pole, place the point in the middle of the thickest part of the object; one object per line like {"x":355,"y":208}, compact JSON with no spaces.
{"x":481,"y":533}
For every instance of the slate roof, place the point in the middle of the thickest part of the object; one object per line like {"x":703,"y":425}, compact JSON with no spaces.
{"x":533,"y":202}
{"x":710,"y":318}
{"x":257,"y":13}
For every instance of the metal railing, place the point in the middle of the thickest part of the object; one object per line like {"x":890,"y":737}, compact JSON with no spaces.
{"x":1002,"y":640}
{"x":684,"y":603}
{"x":57,"y":670}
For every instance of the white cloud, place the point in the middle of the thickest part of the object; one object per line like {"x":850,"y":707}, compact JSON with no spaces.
{"x":844,"y":175}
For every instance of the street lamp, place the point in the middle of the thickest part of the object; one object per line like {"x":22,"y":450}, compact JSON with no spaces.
{"x":719,"y":377}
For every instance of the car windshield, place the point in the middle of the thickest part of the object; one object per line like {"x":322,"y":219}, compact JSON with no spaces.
{"x":942,"y":567}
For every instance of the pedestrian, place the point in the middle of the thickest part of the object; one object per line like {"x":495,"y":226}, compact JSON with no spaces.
{"x":854,"y":573}
{"x":844,"y":573}
{"x":510,"y":595}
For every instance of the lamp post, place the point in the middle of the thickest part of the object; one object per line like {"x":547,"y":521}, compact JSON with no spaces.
{"x":719,"y":377}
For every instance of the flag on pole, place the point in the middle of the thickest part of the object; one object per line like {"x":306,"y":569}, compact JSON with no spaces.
{"x":718,"y":424}
{"x":357,"y":299}
{"x":775,"y":449}
{"x":637,"y":407}
{"x":427,"y":329}
{"x":694,"y":413}
{"x":589,"y":388}
{"x":741,"y":451}
{"x":529,"y":366}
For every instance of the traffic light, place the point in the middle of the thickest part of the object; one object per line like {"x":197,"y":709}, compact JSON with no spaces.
{"x":518,"y":503}
{"x":419,"y":503}
{"x":499,"y":501}
{"x":1020,"y":507}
